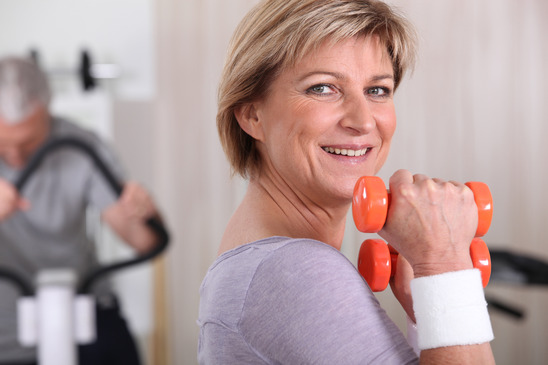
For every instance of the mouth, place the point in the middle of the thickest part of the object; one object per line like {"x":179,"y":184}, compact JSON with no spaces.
{"x":347,"y":151}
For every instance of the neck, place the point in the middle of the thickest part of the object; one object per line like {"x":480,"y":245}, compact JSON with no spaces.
{"x":272,"y":208}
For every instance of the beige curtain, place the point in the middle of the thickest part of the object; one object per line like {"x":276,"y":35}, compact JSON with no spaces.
{"x":474,"y":109}
{"x":193,"y":177}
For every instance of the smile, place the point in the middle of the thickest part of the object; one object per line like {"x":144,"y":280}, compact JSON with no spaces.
{"x":346,"y":152}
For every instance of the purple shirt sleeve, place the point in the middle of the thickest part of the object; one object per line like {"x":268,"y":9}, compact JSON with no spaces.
{"x":304,"y":303}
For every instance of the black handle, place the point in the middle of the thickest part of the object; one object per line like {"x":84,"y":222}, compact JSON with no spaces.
{"x":57,"y":143}
{"x":26,"y":288}
{"x":88,"y":280}
{"x":163,"y":239}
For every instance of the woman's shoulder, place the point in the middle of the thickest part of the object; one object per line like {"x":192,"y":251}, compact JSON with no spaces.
{"x":279,"y":262}
{"x":293,"y":254}
{"x":281,"y":265}
{"x":302,"y":254}
{"x":306,"y":263}
{"x":236,"y":276}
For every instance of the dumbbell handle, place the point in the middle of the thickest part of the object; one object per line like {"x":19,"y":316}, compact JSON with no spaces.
{"x":371,"y":200}
{"x":377,"y":262}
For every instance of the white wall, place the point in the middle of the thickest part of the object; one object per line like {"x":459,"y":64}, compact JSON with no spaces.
{"x":114,"y":31}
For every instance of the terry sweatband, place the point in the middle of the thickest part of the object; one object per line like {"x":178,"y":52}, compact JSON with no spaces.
{"x":451,"y":310}
{"x":412,"y":335}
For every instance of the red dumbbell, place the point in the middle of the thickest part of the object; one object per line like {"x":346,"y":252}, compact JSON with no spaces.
{"x":377,"y":260}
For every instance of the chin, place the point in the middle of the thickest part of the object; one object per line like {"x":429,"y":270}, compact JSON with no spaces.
{"x":344,"y":190}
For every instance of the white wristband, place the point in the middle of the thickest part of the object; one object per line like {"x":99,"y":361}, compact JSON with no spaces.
{"x":451,"y":310}
{"x":412,"y":335}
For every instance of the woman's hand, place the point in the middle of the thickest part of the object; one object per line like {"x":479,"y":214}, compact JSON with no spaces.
{"x":10,"y":200}
{"x":431,"y":223}
{"x":400,"y":285}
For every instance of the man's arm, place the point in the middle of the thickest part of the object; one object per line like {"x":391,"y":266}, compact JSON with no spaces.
{"x":128,"y":215}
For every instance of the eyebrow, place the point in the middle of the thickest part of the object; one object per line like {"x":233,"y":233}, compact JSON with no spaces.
{"x":340,"y":76}
{"x":336,"y":75}
{"x":383,"y":77}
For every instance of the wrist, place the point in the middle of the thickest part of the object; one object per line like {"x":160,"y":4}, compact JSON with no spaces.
{"x":450,"y":310}
{"x":440,"y":266}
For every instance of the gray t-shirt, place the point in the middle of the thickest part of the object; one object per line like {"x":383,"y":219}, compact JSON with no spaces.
{"x":293,"y":301}
{"x":53,"y":233}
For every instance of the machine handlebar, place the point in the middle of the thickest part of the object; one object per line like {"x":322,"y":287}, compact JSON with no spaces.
{"x":87,"y":281}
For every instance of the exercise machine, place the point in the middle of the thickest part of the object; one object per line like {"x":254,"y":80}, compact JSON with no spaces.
{"x":58,"y":312}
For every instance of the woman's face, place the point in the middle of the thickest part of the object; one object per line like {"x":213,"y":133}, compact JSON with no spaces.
{"x":329,"y":119}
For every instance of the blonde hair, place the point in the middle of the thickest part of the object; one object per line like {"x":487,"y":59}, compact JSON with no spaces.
{"x":276,"y":34}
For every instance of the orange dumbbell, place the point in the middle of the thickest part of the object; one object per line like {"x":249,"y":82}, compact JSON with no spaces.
{"x":377,"y":260}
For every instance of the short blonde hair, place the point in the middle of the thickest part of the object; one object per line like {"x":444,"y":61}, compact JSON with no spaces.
{"x":276,"y":34}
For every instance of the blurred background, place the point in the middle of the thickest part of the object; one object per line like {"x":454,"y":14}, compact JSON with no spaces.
{"x":475,"y":108}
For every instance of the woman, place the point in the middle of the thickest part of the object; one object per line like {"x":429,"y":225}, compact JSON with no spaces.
{"x":305,"y":109}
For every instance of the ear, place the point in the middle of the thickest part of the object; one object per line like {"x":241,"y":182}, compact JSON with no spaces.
{"x":248,"y":119}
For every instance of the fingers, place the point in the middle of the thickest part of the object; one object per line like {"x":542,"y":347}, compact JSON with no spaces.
{"x":10,"y":200}
{"x":430,"y":221}
{"x":23,"y":204}
{"x":404,"y":176}
{"x":406,"y":184}
{"x":401,"y":177}
{"x":401,"y":182}
{"x":137,"y":202}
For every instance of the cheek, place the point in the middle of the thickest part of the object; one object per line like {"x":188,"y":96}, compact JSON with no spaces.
{"x":386,"y":123}
{"x":313,"y":119}
{"x":387,"y":130}
{"x":386,"y":126}
{"x":295,"y":122}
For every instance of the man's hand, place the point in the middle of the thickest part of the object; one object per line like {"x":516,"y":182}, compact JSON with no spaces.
{"x":127,"y":217}
{"x":10,"y":200}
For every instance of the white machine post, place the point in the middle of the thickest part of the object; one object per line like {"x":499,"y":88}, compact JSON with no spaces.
{"x":55,"y":321}
{"x":55,"y":293}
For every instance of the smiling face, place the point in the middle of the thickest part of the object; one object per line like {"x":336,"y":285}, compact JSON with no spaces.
{"x":327,"y":120}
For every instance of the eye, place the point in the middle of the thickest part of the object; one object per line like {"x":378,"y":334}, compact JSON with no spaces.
{"x":378,"y":91}
{"x":322,"y":89}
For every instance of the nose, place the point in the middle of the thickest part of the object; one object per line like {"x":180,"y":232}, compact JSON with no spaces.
{"x":358,"y":117}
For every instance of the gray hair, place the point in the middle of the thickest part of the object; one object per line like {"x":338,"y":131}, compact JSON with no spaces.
{"x":23,"y":87}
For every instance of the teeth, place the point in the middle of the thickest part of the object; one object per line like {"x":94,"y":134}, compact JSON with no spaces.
{"x":346,"y":152}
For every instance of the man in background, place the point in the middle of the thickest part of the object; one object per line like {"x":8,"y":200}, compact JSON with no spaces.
{"x":45,"y":225}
